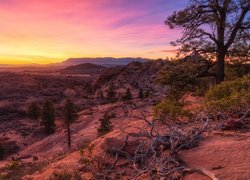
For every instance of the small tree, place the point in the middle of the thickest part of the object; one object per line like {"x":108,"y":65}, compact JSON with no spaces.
{"x":100,"y":94}
{"x":111,"y":94}
{"x":48,"y":117}
{"x":128,"y":95}
{"x":34,"y":110}
{"x":90,"y":89}
{"x":70,"y":113}
{"x":140,"y":94}
{"x":106,"y":125}
{"x":1,"y":151}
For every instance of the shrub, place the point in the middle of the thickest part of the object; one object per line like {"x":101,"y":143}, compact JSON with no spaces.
{"x":170,"y":110}
{"x":127,"y":96}
{"x":106,"y":125}
{"x":64,"y":175}
{"x":48,"y":117}
{"x":14,"y":165}
{"x":186,"y":75}
{"x":34,"y":110}
{"x":229,"y":95}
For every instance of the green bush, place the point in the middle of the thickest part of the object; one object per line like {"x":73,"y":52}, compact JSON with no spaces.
{"x":64,"y":175}
{"x":229,"y":95}
{"x":106,"y":125}
{"x":186,"y":76}
{"x":170,"y":110}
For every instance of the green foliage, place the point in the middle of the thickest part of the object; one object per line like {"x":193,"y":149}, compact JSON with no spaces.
{"x":34,"y":110}
{"x":236,"y":70}
{"x":106,"y":125}
{"x":14,"y":165}
{"x":229,"y":95}
{"x":185,"y":75}
{"x":127,"y":96}
{"x":170,"y":110}
{"x":64,"y":175}
{"x":1,"y":151}
{"x":48,"y":117}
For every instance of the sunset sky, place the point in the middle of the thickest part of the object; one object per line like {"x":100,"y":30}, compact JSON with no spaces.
{"x":45,"y":31}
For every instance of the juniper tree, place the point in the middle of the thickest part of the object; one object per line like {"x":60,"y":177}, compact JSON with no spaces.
{"x":128,"y":95}
{"x":219,"y":28}
{"x":111,"y":94}
{"x":1,"y":151}
{"x":70,"y":113}
{"x":140,"y":94}
{"x":34,"y":110}
{"x":48,"y":117}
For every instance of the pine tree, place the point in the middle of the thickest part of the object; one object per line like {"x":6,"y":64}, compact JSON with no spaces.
{"x":111,"y":94}
{"x":140,"y":94}
{"x":48,"y":117}
{"x":34,"y":110}
{"x":1,"y":151}
{"x":70,"y":113}
{"x":106,"y":125}
{"x":128,"y":95}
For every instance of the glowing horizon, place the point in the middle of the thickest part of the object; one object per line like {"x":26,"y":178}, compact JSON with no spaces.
{"x":45,"y":31}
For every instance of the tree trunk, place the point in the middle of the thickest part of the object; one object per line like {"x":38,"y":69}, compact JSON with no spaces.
{"x":220,"y":71}
{"x":69,"y":135}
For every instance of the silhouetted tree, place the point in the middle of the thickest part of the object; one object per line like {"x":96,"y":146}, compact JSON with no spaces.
{"x":90,"y":89}
{"x":140,"y":94}
{"x":48,"y":117}
{"x":128,"y":95}
{"x":147,"y":93}
{"x":100,"y":94}
{"x":70,"y":113}
{"x":111,"y":94}
{"x":1,"y":151}
{"x":214,"y":27}
{"x":34,"y":110}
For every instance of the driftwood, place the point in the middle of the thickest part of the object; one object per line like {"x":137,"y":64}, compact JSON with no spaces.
{"x":156,"y":154}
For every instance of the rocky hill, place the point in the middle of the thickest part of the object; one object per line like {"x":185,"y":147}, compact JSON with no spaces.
{"x":134,"y":76}
{"x":87,"y":68}
{"x":107,"y":61}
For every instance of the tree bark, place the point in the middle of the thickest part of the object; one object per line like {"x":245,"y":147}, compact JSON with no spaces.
{"x":69,"y":135}
{"x":220,"y":69}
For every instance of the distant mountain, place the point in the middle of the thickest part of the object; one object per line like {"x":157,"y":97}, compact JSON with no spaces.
{"x":86,"y":68}
{"x":105,"y":61}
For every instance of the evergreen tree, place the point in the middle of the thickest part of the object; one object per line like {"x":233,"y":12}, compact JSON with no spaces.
{"x":111,"y":94}
{"x":106,"y":125}
{"x":70,"y":113}
{"x":48,"y":117}
{"x":100,"y":94}
{"x":1,"y":151}
{"x":34,"y":110}
{"x":140,"y":94}
{"x":128,"y":95}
